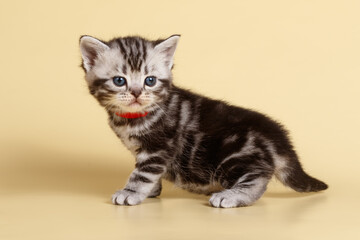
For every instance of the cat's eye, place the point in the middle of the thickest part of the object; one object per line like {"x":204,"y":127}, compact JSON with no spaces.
{"x":119,"y":81}
{"x":150,"y":81}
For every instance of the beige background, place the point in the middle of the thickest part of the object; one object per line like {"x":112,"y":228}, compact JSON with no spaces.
{"x":298,"y":61}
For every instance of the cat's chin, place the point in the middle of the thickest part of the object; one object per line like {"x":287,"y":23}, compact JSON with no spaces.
{"x":137,"y":107}
{"x":133,"y":108}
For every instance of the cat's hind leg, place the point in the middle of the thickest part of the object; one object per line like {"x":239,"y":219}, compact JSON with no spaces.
{"x":244,"y":177}
{"x":243,"y":193}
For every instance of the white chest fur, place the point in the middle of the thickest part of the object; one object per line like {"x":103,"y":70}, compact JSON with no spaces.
{"x":123,"y":133}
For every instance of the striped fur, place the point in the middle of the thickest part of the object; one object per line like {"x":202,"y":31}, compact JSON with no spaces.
{"x":202,"y":145}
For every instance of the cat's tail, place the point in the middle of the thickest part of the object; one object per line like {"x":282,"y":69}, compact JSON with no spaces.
{"x":290,"y":173}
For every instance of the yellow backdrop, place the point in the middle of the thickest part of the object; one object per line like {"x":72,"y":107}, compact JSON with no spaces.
{"x":298,"y":61}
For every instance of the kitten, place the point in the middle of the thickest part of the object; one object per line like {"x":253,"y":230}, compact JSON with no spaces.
{"x":202,"y":145}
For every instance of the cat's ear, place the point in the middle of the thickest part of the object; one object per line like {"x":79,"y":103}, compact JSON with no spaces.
{"x":90,"y":48}
{"x":167,"y":48}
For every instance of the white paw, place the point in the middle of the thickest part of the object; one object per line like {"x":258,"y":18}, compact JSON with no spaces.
{"x":227,"y":199}
{"x":125,"y":197}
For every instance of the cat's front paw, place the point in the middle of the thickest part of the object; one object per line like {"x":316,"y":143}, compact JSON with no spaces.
{"x":127,"y":197}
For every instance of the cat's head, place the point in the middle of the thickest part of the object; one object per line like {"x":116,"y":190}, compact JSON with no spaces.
{"x":128,"y":74}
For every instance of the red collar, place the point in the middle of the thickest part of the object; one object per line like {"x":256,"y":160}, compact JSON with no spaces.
{"x":132,"y":115}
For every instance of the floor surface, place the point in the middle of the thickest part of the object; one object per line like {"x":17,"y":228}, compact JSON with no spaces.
{"x":53,"y":195}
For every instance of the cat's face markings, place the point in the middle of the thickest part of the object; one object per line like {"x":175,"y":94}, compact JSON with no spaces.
{"x":138,"y":71}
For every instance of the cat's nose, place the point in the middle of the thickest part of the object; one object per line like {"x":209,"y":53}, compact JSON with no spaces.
{"x":136,"y":92}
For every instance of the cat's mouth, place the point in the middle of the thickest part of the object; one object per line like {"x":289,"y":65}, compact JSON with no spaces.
{"x":135,"y":103}
{"x":135,"y":106}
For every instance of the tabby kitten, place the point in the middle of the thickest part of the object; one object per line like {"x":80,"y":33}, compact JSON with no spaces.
{"x":202,"y":145}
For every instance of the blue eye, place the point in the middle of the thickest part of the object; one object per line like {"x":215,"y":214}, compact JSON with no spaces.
{"x":119,"y":81}
{"x":150,"y":81}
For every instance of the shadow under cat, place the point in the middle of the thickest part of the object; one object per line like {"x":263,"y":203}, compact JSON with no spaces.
{"x":39,"y":169}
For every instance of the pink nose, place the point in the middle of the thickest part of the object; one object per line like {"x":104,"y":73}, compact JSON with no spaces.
{"x":135,"y":93}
